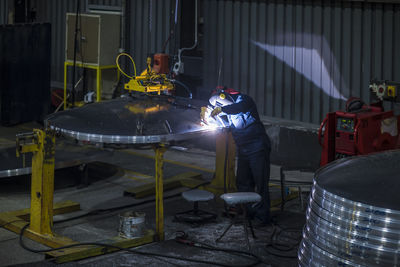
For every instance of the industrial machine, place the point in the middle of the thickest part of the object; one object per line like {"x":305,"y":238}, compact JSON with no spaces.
{"x":152,"y":79}
{"x":361,"y":129}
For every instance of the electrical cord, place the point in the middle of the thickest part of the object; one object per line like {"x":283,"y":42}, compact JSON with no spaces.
{"x":75,"y":50}
{"x":10,"y":222}
{"x":184,"y":86}
{"x":105,"y":211}
{"x":23,"y":245}
{"x":7,"y":223}
{"x":181,"y":238}
{"x":119,"y":67}
{"x":274,"y":243}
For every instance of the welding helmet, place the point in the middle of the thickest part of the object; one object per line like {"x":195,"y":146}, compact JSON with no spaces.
{"x":222,"y":96}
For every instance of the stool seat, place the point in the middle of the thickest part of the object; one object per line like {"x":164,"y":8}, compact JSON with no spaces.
{"x":241,"y":198}
{"x":197,"y":195}
{"x":196,"y":215}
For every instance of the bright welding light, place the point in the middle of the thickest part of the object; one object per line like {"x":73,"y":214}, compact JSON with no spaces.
{"x":210,"y":127}
{"x":210,"y":123}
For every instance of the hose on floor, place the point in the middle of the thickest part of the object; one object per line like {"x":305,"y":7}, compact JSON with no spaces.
{"x":152,"y":254}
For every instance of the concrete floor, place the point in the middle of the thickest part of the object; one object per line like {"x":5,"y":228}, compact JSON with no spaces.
{"x":128,"y":168}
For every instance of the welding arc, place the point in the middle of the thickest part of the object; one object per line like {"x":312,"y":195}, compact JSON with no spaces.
{"x":21,"y":242}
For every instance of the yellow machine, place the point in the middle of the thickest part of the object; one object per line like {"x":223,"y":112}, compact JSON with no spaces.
{"x":148,"y":81}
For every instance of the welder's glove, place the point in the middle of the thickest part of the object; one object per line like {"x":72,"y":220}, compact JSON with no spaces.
{"x":216,"y":111}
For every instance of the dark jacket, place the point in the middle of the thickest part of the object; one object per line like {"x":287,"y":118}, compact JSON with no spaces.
{"x":247,"y":129}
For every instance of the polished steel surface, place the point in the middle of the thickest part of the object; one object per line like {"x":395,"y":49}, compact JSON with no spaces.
{"x":132,"y":120}
{"x":311,"y":255}
{"x":341,"y":231}
{"x":66,"y":156}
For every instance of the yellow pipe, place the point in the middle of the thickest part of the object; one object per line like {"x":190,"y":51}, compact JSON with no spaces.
{"x":159,"y":151}
{"x":170,"y":161}
{"x":42,"y":188}
{"x":65,"y":84}
{"x":98,"y":85}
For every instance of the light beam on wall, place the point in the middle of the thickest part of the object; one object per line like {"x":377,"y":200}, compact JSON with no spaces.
{"x":312,"y":66}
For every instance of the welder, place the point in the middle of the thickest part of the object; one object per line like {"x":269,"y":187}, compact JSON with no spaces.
{"x":253,"y":146}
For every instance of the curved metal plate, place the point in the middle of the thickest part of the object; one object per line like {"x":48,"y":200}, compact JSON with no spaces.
{"x":349,"y":222}
{"x":334,"y":241}
{"x":132,"y":120}
{"x":362,"y":229}
{"x":65,"y":156}
{"x":376,"y":211}
{"x":364,"y":179}
{"x":352,"y":233}
{"x":312,"y":255}
{"x":369,"y":219}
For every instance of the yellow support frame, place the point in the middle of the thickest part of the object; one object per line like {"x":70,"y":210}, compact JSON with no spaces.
{"x":42,"y":187}
{"x":42,"y":145}
{"x":98,"y":70}
{"x":159,"y":158}
{"x":224,"y":165}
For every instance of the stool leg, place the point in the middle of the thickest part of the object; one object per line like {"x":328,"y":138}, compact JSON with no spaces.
{"x":251,"y":228}
{"x":282,"y":176}
{"x":245,"y":228}
{"x":301,"y":198}
{"x":226,"y":230}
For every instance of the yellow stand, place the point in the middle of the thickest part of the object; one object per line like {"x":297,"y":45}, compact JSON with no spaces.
{"x":98,"y":77}
{"x":159,"y":150}
{"x":224,"y":165}
{"x":40,"y":215}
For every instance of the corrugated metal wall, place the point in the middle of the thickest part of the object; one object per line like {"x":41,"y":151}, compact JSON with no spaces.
{"x":104,"y":4}
{"x":3,"y":11}
{"x":298,"y":59}
{"x":55,"y":12}
{"x":143,"y":29}
{"x":149,"y":28}
{"x":301,"y":59}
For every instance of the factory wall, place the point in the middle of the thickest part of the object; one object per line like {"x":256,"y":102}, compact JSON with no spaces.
{"x":300,"y":59}
{"x":149,"y":29}
{"x":55,"y":13}
{"x":141,"y":29}
{"x":3,"y":11}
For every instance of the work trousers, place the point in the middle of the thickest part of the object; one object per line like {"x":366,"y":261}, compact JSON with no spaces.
{"x":253,"y":176}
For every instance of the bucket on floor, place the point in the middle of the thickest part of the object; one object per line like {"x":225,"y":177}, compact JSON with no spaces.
{"x":132,"y":224}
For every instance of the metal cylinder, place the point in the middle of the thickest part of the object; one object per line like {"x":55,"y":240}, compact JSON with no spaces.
{"x":353,"y":216}
{"x":132,"y":224}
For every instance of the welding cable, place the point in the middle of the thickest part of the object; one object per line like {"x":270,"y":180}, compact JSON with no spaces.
{"x":184,"y":86}
{"x":283,"y":247}
{"x":113,"y":247}
{"x":119,"y":67}
{"x":10,"y":222}
{"x":109,"y":210}
{"x":181,"y":238}
{"x":7,"y":223}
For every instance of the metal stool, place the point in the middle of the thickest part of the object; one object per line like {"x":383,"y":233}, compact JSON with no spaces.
{"x":240,"y":198}
{"x":196,"y":215}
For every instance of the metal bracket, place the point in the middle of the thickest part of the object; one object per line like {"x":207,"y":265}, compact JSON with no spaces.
{"x":27,"y":142}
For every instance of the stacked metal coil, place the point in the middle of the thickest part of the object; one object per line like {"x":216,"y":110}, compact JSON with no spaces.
{"x":353,"y":216}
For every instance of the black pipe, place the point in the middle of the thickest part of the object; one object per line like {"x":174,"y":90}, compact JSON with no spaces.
{"x":75,"y":48}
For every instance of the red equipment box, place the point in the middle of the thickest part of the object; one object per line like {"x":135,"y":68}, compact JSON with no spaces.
{"x":364,"y":131}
